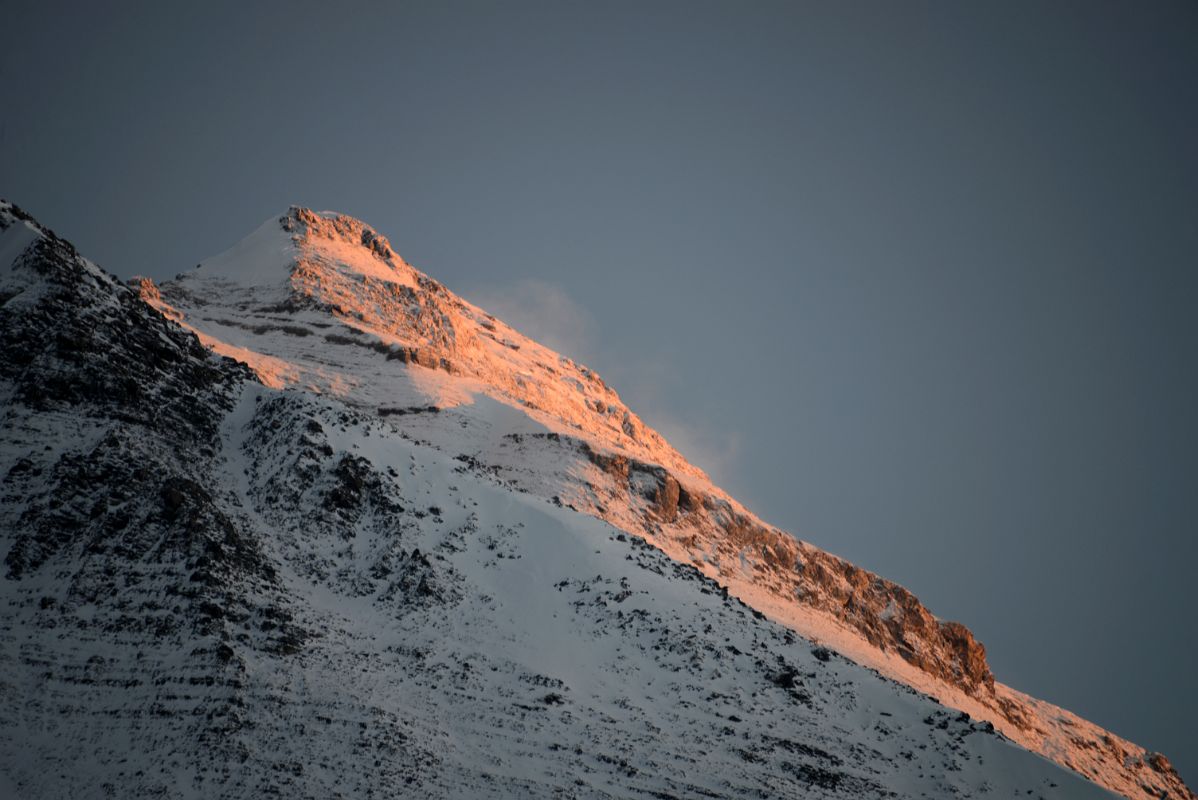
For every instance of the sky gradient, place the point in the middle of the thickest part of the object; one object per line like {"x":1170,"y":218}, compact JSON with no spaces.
{"x":913,"y":281}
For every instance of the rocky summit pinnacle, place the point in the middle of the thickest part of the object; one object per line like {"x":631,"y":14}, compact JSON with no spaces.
{"x":302,"y":521}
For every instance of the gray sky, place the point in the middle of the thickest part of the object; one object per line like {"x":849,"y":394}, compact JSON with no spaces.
{"x":914,"y":281}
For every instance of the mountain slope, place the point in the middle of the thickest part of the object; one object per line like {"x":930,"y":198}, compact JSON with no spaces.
{"x":358,"y":567}
{"x":328,"y":276}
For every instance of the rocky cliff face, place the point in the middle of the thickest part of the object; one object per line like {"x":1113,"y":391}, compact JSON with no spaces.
{"x":81,"y":353}
{"x":303,"y":521}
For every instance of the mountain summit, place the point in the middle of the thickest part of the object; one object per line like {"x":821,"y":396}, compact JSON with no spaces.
{"x":303,"y":521}
{"x":331,"y":277}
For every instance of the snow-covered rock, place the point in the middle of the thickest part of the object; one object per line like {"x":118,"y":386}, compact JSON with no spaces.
{"x":356,"y":537}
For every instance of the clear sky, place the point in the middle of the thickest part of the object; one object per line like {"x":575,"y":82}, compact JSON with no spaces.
{"x":914,"y":281}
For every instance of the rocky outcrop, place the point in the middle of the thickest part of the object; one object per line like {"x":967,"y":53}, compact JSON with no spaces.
{"x":886,"y":614}
{"x":82,"y":353}
{"x":76,"y":338}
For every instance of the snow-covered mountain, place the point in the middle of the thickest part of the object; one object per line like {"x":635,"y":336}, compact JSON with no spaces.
{"x":303,"y":522}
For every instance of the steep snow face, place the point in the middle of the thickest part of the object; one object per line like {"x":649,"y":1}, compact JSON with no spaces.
{"x":334,"y":310}
{"x":214,"y":588}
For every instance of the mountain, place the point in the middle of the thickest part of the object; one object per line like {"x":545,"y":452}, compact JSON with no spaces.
{"x":303,"y":522}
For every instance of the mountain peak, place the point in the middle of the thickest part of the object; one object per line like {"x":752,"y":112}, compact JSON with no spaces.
{"x":301,"y":237}
{"x":326,"y":275}
{"x":422,"y":504}
{"x":321,"y":302}
{"x":335,"y":226}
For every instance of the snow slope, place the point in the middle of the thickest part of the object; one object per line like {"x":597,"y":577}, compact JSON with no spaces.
{"x":410,"y":552}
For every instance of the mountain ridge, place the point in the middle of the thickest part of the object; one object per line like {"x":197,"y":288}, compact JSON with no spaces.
{"x":409,"y":351}
{"x":450,"y":335}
